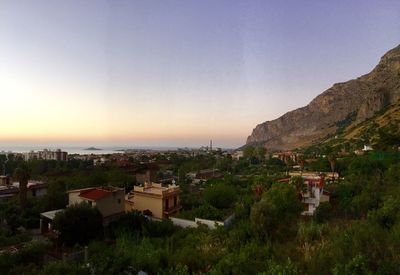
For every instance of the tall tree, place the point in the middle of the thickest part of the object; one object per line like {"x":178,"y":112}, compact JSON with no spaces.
{"x":22,"y":174}
{"x":301,"y":160}
{"x":332,"y":162}
{"x":288,"y":161}
{"x":249,"y":151}
{"x":298,"y":183}
{"x":276,"y":212}
{"x":260,"y":153}
{"x":79,"y":224}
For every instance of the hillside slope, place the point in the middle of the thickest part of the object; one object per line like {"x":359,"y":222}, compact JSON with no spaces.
{"x":382,"y":131}
{"x":343,"y":105}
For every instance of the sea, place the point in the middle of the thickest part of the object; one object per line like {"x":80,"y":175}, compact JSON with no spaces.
{"x":82,"y":150}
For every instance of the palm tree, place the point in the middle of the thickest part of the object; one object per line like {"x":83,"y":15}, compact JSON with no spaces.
{"x":301,"y":161}
{"x":332,"y":162}
{"x":288,"y":162}
{"x":22,"y":175}
{"x":298,"y":183}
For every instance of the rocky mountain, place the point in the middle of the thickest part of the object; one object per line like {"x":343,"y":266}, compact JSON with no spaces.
{"x":343,"y":105}
{"x":382,"y":132}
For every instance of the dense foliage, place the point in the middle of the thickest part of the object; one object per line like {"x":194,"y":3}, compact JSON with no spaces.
{"x":78,"y":224}
{"x":357,"y":232}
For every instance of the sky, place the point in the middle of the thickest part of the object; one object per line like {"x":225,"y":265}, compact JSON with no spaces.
{"x":176,"y":73}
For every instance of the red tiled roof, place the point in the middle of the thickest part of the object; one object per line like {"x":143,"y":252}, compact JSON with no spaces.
{"x":94,"y":194}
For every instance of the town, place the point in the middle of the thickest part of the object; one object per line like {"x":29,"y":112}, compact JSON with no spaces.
{"x":171,"y":137}
{"x":70,"y":210}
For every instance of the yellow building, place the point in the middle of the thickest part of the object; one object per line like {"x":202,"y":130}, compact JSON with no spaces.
{"x":154,"y":200}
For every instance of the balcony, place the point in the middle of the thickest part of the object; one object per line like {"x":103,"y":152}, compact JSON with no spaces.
{"x":172,"y":210}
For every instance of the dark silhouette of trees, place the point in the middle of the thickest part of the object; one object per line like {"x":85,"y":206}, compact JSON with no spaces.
{"x":279,"y":208}
{"x":22,"y":174}
{"x":79,"y":224}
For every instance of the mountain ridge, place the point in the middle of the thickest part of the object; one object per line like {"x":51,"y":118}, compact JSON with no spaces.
{"x":350,"y":103}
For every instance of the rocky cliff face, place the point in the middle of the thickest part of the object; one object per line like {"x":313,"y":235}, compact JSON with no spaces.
{"x":346,"y":103}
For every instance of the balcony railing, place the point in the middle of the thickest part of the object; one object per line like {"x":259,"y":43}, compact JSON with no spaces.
{"x":171,"y":210}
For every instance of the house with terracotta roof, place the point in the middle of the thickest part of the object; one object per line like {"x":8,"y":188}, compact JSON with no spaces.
{"x":108,"y":200}
{"x":312,"y":194}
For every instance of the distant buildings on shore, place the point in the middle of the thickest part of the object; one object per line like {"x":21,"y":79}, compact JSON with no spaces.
{"x":46,"y":154}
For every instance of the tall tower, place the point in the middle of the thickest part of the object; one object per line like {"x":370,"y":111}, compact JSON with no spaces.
{"x":210,"y":144}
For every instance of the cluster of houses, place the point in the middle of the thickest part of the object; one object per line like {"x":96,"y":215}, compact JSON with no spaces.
{"x":151,"y":199}
{"x":159,"y":202}
{"x":10,"y":189}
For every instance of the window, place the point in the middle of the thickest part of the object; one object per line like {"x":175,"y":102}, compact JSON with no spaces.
{"x":175,"y":201}
{"x":119,"y":201}
{"x":166,"y":204}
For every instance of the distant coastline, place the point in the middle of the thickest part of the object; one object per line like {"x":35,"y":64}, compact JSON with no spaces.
{"x":81,"y":150}
{"x":106,"y":149}
{"x":93,"y":149}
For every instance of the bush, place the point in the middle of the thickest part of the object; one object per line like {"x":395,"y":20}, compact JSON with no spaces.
{"x":220,"y":196}
{"x":278,"y":209}
{"x":78,"y":224}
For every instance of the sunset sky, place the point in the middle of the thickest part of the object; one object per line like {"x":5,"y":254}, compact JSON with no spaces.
{"x":176,"y":73}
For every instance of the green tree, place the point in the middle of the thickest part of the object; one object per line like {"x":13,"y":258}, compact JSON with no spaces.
{"x":56,"y":198}
{"x":59,"y":267}
{"x":220,"y":195}
{"x":301,"y":161}
{"x":22,"y":174}
{"x":332,"y":163}
{"x":392,"y":175}
{"x":298,"y":183}
{"x":279,"y":208}
{"x":78,"y":224}
{"x":249,"y":151}
{"x":260,"y":152}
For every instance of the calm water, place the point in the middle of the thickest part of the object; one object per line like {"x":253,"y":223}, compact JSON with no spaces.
{"x":79,"y":150}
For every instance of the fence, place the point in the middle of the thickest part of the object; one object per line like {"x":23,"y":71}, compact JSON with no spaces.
{"x":210,"y":223}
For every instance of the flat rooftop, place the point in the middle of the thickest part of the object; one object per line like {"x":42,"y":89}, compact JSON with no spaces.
{"x":50,"y":214}
{"x":156,"y":189}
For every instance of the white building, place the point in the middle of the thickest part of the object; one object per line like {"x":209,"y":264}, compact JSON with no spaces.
{"x":313,"y":195}
{"x":46,"y":155}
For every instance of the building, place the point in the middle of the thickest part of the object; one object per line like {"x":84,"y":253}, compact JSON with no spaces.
{"x":46,"y":154}
{"x":204,"y":175}
{"x":10,"y":190}
{"x":237,"y":155}
{"x":5,"y":181}
{"x":314,"y":194}
{"x":285,"y":156}
{"x":146,"y":173}
{"x":37,"y":189}
{"x":108,"y":200}
{"x":367,"y":148}
{"x":154,"y":200}
{"x":307,"y":174}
